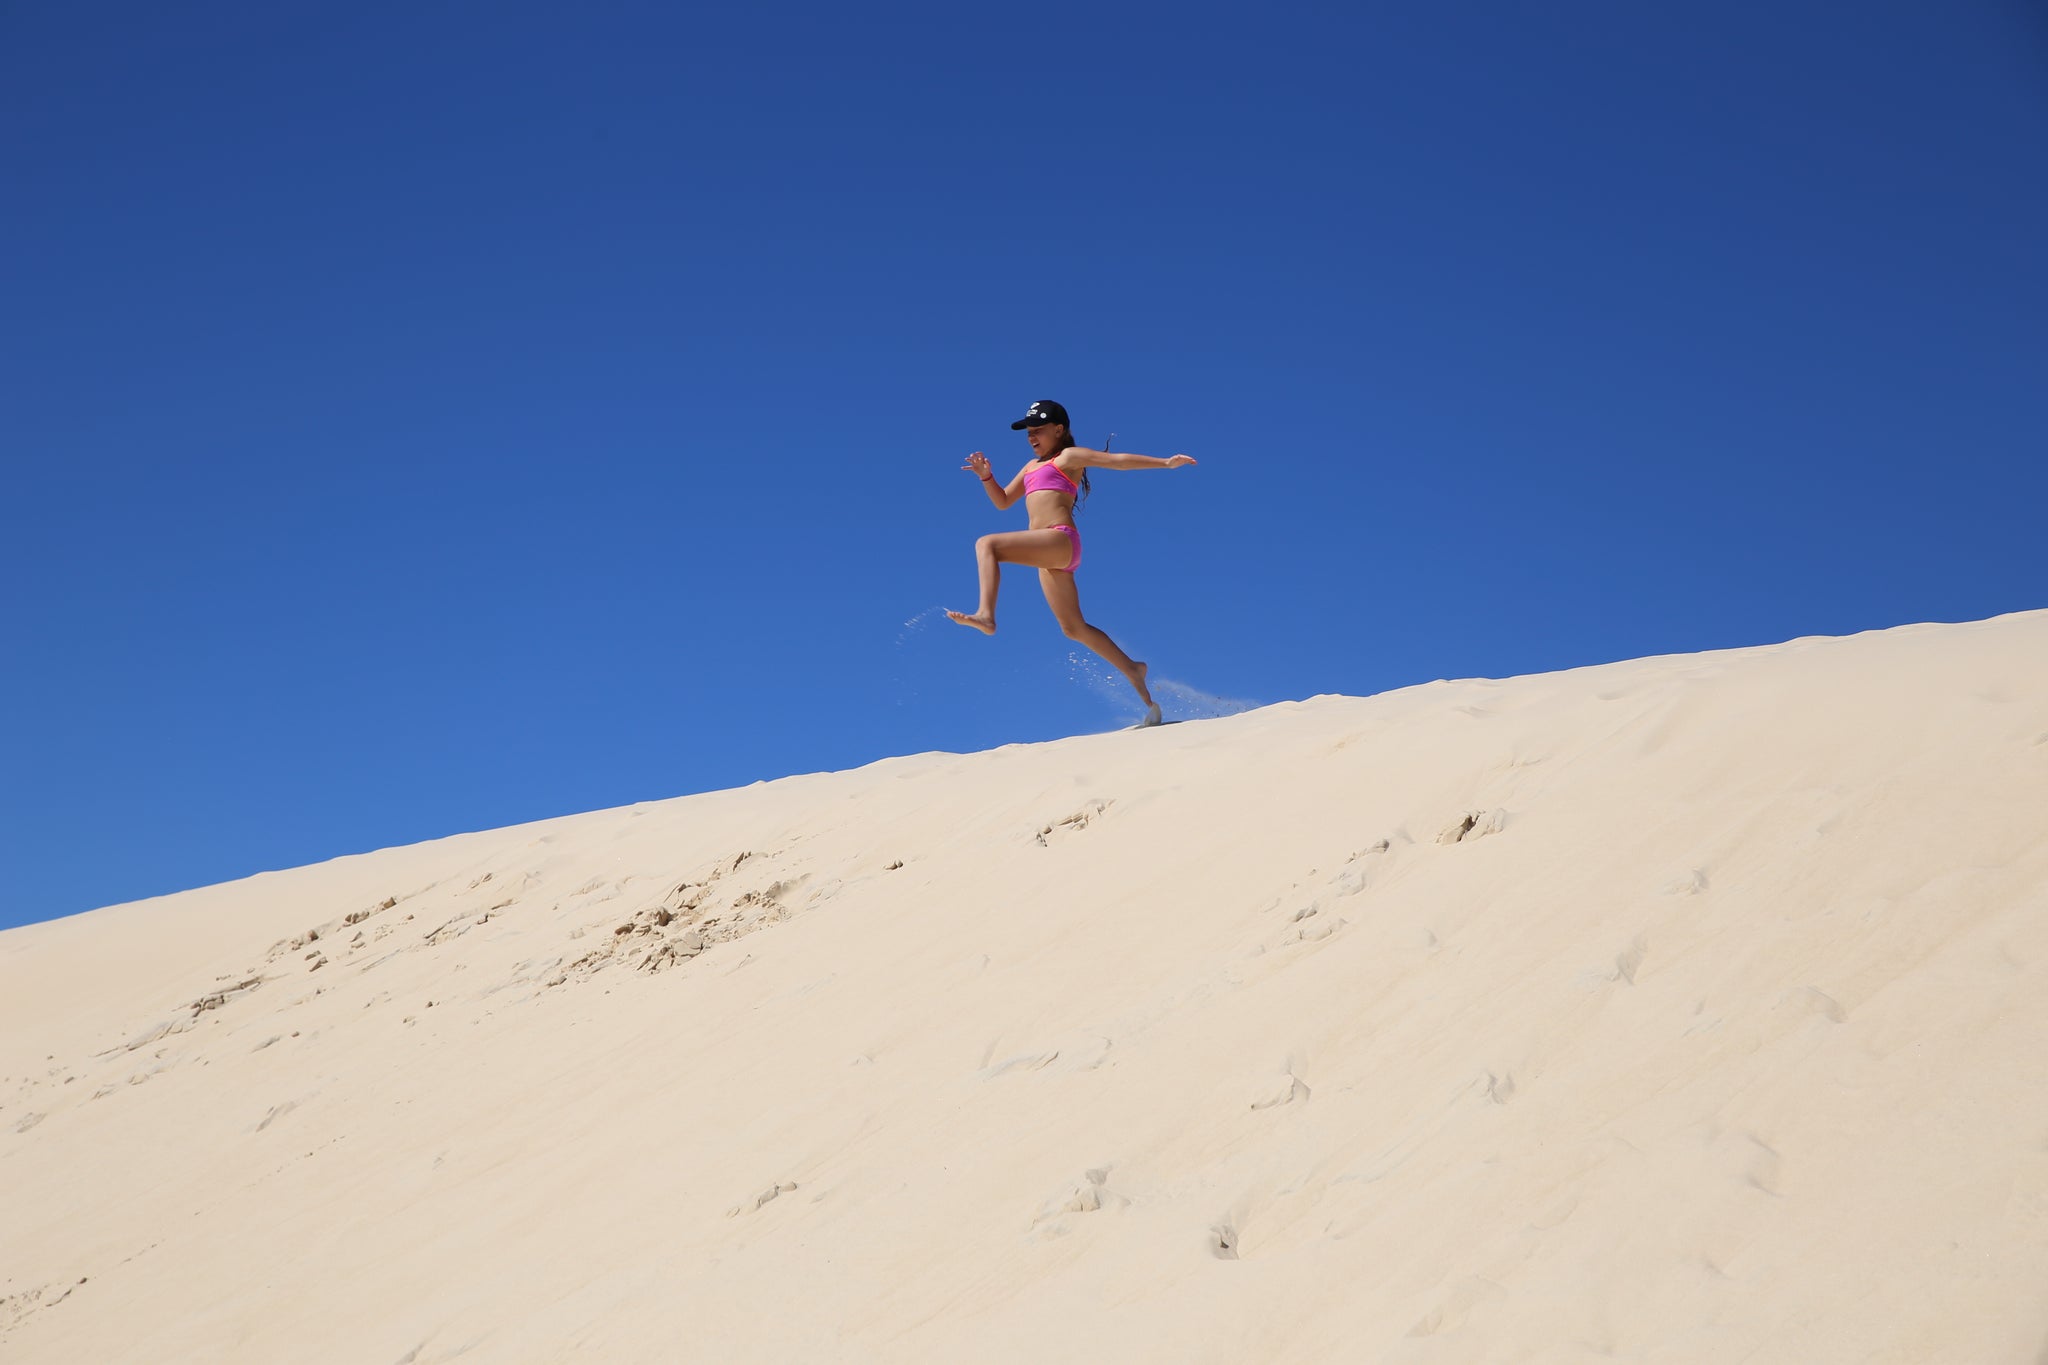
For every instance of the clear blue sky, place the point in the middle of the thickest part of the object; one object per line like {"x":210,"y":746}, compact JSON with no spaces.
{"x":421,"y":418}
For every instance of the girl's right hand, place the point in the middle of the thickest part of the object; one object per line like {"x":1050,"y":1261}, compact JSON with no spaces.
{"x":977,"y":463}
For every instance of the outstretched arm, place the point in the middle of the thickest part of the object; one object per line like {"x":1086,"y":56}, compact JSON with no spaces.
{"x":1084,"y":458}
{"x":1002,"y":497}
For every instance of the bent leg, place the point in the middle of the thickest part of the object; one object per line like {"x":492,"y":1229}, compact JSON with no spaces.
{"x":1065,"y":600}
{"x":1046,"y":549}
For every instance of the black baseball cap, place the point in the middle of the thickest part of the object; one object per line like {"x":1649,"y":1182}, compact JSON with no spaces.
{"x":1043,"y":413}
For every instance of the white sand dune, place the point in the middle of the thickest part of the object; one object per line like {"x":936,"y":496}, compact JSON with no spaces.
{"x":1690,"y":1009}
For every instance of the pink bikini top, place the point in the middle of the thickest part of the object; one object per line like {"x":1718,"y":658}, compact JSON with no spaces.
{"x":1048,"y":479}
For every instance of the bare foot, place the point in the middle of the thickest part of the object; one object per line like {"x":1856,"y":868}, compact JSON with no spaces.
{"x":985,"y":624}
{"x":1152,"y":716}
{"x":1144,"y":692}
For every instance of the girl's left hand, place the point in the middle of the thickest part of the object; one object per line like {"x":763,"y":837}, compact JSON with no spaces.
{"x":1176,"y":461}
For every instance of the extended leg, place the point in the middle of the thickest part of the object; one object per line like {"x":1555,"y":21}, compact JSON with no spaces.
{"x":1065,"y":600}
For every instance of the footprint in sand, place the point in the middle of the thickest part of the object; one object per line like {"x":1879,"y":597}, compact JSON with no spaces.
{"x":1312,"y":930}
{"x":764,"y":1197}
{"x":221,"y":997}
{"x":1072,"y":824}
{"x":1473,"y":824}
{"x":1089,"y":1194}
{"x":161,"y":1029}
{"x":1349,"y":882}
{"x":449,"y":930}
{"x":1356,"y":874}
{"x":1690,"y":882}
{"x":358,"y":916}
{"x":18,"y":1308}
{"x":1287,"y":1088}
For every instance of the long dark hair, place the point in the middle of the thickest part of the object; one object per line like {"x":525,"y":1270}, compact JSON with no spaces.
{"x":1070,"y":441}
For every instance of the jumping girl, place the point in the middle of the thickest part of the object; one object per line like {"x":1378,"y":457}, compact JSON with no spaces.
{"x":1052,"y":545}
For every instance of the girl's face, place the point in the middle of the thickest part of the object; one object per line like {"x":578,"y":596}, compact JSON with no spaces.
{"x":1048,"y":440}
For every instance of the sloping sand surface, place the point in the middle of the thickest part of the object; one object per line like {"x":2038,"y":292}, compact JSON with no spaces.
{"x":1690,"y":1009}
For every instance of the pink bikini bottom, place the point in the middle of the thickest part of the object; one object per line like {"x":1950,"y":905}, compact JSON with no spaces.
{"x":1075,"y":537}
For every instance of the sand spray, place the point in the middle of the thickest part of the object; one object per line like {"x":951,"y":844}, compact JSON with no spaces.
{"x":1177,"y":700}
{"x":1087,"y":670}
{"x":916,"y":624}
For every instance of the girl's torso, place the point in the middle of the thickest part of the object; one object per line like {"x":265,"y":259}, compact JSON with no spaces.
{"x":1049,"y":495}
